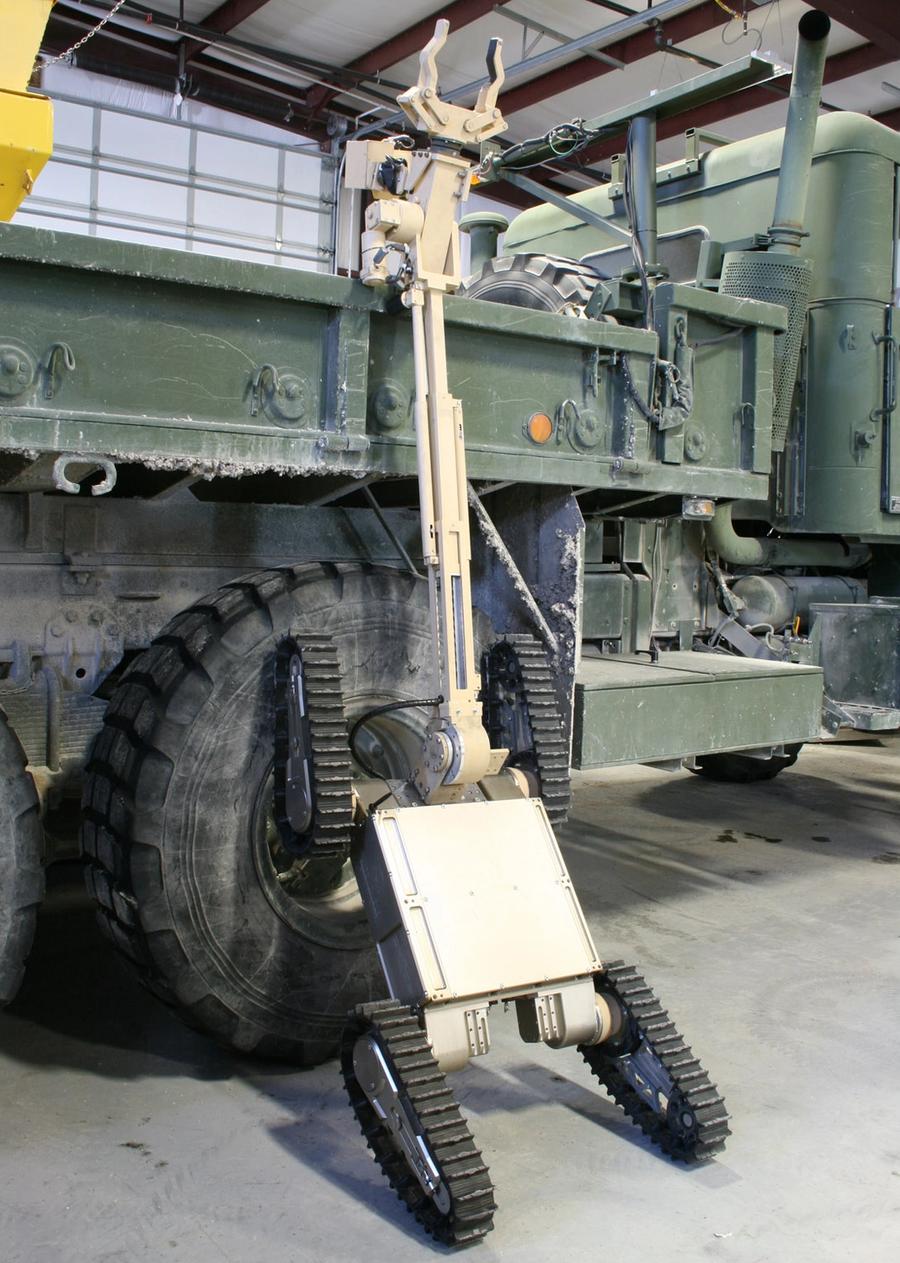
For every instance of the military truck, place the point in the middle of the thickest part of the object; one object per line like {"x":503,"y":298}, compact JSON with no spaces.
{"x":679,"y":394}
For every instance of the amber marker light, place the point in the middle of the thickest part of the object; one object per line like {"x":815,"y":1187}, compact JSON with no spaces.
{"x":539,"y":427}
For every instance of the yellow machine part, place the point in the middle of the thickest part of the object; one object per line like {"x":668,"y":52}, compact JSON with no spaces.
{"x":26,"y":119}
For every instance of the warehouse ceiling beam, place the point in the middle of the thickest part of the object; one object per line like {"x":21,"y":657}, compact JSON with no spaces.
{"x":890,"y":118}
{"x":130,"y":54}
{"x":406,"y":43}
{"x":271,"y":63}
{"x":624,"y":9}
{"x":224,"y":19}
{"x":876,"y":20}
{"x":540,"y":29}
{"x":594,"y":40}
{"x":677,"y":28}
{"x":124,"y":52}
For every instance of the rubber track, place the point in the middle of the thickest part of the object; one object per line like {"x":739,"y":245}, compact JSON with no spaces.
{"x":551,"y":749}
{"x":330,"y":832}
{"x":688,"y":1076}
{"x":472,"y":1206}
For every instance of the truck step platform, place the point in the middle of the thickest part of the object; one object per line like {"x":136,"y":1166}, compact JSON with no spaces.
{"x":631,"y":710}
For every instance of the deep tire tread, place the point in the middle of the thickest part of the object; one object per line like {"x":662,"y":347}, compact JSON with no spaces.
{"x":542,"y":282}
{"x":21,"y":862}
{"x":128,"y":830}
{"x":115,"y":803}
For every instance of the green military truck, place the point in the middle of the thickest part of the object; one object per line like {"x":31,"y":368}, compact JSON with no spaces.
{"x":679,"y":396}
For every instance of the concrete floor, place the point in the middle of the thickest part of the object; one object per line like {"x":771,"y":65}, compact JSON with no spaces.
{"x":768,"y":917}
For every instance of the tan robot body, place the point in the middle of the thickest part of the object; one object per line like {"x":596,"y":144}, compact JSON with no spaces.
{"x":463,"y":881}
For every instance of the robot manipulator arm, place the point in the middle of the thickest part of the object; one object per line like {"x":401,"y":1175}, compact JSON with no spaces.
{"x":392,"y":221}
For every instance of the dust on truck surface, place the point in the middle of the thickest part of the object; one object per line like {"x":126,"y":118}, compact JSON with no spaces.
{"x":679,"y":394}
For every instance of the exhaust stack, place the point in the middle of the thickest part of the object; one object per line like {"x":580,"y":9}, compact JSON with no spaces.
{"x":800,"y":132}
{"x":776,"y":274}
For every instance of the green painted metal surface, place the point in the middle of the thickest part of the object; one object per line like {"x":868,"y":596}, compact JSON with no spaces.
{"x":830,"y":480}
{"x":226,"y":368}
{"x":628,"y":710}
{"x":223,"y":369}
{"x":733,"y":195}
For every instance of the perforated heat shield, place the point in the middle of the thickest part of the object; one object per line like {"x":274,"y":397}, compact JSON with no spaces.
{"x":782,"y":279}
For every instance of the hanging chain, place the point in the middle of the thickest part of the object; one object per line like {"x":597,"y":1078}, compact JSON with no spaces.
{"x":48,"y":61}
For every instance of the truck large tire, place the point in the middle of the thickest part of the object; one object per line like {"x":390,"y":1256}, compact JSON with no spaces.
{"x":542,"y":282}
{"x":265,"y":953}
{"x":21,"y":869}
{"x":743,"y":769}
